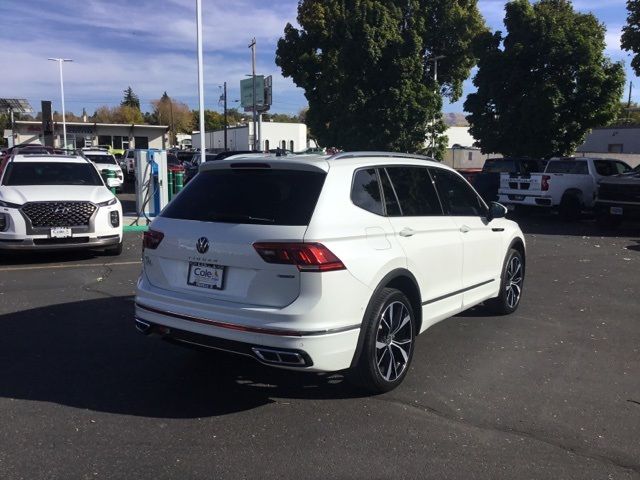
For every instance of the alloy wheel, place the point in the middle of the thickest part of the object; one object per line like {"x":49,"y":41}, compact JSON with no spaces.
{"x":514,"y":281}
{"x":394,"y":341}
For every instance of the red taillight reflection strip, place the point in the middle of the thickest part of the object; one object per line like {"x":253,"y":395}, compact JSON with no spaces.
{"x":151,"y":239}
{"x":308,"y":257}
{"x":232,"y":326}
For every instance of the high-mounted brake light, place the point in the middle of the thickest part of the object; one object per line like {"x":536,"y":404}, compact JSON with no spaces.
{"x":151,"y":239}
{"x":308,"y":257}
{"x":544,"y":184}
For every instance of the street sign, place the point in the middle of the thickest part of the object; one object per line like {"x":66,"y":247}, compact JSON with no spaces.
{"x":246,"y":93}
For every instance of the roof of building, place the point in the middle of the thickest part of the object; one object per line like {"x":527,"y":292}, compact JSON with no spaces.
{"x":98,"y":124}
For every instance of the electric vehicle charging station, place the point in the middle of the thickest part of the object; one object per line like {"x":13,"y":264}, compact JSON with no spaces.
{"x":152,"y":192}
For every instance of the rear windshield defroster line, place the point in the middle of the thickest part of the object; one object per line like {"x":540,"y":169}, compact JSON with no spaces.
{"x":249,"y":196}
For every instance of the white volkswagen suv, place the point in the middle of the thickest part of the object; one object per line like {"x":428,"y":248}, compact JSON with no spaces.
{"x":53,"y":202}
{"x":325,"y":263}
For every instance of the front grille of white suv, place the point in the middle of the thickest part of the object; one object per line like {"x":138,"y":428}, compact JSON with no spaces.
{"x":59,"y":214}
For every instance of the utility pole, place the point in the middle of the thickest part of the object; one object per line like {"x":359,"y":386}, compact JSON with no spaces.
{"x":203,"y":148}
{"x":64,"y":122}
{"x":434,"y":59}
{"x":252,"y":46}
{"x":629,"y":103}
{"x":226,"y":123}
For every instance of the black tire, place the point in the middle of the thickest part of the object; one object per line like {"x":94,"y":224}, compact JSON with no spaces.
{"x":570,"y":207}
{"x":114,"y":250}
{"x":384,"y":336}
{"x":503,"y":304}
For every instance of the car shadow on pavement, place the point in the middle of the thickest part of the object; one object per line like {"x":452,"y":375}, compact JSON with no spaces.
{"x":34,"y":258}
{"x":545,"y":223}
{"x":88,"y":355}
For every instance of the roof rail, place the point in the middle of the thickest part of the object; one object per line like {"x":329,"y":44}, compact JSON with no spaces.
{"x":380,"y":154}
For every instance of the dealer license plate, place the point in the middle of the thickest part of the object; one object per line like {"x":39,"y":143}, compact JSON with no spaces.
{"x":205,"y":275}
{"x":60,"y":232}
{"x":615,"y":210}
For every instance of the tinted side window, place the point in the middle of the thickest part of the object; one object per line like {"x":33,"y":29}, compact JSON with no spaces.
{"x":457,"y":197}
{"x":365,"y":191}
{"x":390,"y":198}
{"x":415,"y":191}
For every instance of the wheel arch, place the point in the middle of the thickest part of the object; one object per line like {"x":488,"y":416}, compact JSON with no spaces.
{"x":400,"y":279}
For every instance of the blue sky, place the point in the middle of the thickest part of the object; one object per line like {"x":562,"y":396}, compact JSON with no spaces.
{"x":150,"y":45}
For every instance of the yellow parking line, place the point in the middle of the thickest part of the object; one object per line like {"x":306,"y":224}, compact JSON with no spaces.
{"x":77,"y":265}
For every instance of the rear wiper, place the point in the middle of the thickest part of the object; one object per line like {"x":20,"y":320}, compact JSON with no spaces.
{"x":232,"y":217}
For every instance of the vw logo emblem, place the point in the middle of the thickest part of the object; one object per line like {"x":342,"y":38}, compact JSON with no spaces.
{"x":202,"y":245}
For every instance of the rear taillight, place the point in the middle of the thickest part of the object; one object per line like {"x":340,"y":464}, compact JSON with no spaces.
{"x":151,"y":239}
{"x":544,"y":184}
{"x":308,"y":257}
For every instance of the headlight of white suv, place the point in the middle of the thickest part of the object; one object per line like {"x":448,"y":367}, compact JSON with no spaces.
{"x":9,"y":205}
{"x":113,"y":201}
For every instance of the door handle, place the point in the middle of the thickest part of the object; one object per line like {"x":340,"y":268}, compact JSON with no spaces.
{"x":464,"y":229}
{"x":406,"y":232}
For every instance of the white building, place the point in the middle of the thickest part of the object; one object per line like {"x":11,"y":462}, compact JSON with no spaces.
{"x":612,"y":140}
{"x":290,"y":136}
{"x":81,"y":134}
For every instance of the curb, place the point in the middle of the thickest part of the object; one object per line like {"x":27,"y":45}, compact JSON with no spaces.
{"x":135,"y":228}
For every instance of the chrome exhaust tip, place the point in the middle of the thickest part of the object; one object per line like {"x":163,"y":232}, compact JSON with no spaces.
{"x":279,"y":357}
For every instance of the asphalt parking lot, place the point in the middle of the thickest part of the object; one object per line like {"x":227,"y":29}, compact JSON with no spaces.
{"x":552,"y":392}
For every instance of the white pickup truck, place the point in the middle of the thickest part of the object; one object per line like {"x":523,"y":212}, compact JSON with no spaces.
{"x":569,"y":184}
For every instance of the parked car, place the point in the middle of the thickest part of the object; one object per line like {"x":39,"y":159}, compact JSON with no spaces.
{"x":173,"y":163}
{"x":130,"y":163}
{"x":487,"y":182}
{"x":52,"y":202}
{"x":618,"y":199}
{"x":325,"y":264}
{"x":569,"y":184}
{"x":103,"y":160}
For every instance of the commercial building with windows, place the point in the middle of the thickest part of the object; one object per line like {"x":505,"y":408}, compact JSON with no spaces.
{"x":289,"y":136}
{"x":81,"y":134}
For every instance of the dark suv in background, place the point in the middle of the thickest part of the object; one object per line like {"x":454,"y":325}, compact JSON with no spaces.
{"x":618,"y":199}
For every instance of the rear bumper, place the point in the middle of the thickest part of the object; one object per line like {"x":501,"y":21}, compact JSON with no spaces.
{"x":523,"y":199}
{"x":320,"y":324}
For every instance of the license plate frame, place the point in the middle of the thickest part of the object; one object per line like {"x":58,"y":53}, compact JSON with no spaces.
{"x":60,"y":232}
{"x":205,"y":279}
{"x":616,"y":210}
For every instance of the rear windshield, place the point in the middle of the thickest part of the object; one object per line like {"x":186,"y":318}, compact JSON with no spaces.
{"x":568,"y":166}
{"x":260,"y":196}
{"x":103,"y":159}
{"x":499,"y":166}
{"x":51,"y":173}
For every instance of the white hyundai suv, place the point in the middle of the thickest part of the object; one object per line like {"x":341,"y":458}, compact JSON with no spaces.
{"x":325,"y":263}
{"x":103,"y":160}
{"x":54,"y":202}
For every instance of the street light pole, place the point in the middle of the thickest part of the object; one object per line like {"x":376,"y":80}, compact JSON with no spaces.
{"x":203,"y":148}
{"x":252,"y":46}
{"x":64,"y":122}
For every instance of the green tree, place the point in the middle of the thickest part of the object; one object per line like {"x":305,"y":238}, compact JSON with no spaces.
{"x":363,"y":67}
{"x":130,"y":99}
{"x":630,"y":39}
{"x":212,"y":120}
{"x":628,"y":115}
{"x":545,"y":84}
{"x":167,"y":111}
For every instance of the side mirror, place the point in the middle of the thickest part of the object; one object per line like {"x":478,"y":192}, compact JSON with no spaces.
{"x":496,"y":210}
